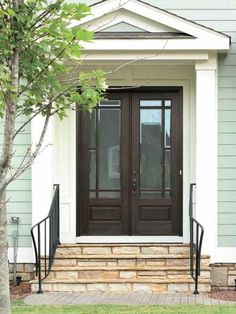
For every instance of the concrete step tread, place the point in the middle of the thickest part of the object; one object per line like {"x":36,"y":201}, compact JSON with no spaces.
{"x":123,"y":245}
{"x":125,"y":256}
{"x":187,"y":279}
{"x":123,"y":268}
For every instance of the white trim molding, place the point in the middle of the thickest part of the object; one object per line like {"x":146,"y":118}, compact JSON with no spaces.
{"x":64,"y":173}
{"x":225,"y":255}
{"x":129,"y":239}
{"x":42,"y":181}
{"x":24,"y":255}
{"x":148,"y":74}
{"x":206,"y":150}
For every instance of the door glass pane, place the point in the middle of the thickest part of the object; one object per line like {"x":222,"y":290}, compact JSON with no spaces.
{"x":109,"y":149}
{"x":92,"y":177}
{"x":150,"y":103}
{"x":167,"y":127}
{"x":113,"y":103}
{"x":150,"y":149}
{"x":109,"y":194}
{"x":167,"y":103}
{"x":92,"y":129}
{"x":167,"y":169}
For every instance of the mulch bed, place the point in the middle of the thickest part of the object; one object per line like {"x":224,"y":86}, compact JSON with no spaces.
{"x":227,"y":295}
{"x":20,"y":292}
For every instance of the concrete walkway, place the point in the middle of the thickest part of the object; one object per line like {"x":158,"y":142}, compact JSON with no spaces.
{"x":132,"y":298}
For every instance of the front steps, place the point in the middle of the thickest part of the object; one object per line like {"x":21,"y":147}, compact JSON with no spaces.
{"x":124,"y":267}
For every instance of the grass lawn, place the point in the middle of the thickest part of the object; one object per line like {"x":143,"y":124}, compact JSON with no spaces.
{"x":20,"y":307}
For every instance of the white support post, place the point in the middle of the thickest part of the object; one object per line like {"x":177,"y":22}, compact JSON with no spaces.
{"x":42,"y":181}
{"x":64,"y":173}
{"x":206,"y":151}
{"x":42,"y":184}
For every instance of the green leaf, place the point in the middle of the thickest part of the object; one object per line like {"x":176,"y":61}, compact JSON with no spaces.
{"x":11,"y":12}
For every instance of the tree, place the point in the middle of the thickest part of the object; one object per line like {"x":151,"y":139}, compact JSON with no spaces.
{"x":36,"y":41}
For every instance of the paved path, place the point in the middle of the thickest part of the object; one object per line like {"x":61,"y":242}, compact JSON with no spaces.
{"x":133,"y":298}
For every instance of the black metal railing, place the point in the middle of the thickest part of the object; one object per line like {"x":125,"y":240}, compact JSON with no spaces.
{"x":196,"y":237}
{"x":45,"y":236}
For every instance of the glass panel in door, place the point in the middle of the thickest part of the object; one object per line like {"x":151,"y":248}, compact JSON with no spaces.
{"x":105,"y":137}
{"x":155,"y":148}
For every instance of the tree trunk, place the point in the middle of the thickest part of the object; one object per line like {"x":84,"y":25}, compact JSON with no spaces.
{"x":4,"y":272}
{"x":6,"y":158}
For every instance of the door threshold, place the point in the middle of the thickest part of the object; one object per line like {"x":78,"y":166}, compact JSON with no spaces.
{"x":129,"y":239}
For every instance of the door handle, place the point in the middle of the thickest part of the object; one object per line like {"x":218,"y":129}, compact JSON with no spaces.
{"x":134,"y":184}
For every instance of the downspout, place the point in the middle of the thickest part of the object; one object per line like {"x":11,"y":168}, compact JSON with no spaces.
{"x":15,"y":235}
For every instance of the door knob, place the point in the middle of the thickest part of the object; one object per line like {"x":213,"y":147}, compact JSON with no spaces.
{"x":134,"y":184}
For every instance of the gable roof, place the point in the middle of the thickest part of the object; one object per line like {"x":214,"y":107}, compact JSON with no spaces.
{"x":157,"y":24}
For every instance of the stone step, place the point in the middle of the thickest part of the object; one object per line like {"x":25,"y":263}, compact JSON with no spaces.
{"x":122,"y":285}
{"x":124,"y":267}
{"x":126,"y":260}
{"x":135,"y":268}
{"x":122,"y":272}
{"x":114,"y":248}
{"x":124,"y":244}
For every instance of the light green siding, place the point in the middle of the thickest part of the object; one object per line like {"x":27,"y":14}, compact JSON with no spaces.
{"x":19,"y":192}
{"x":221,"y":16}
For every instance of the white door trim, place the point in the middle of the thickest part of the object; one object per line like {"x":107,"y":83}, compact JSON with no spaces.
{"x":129,"y":239}
{"x":65,"y":151}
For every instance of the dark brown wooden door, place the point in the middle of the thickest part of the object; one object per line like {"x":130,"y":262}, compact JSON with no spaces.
{"x":129,"y":165}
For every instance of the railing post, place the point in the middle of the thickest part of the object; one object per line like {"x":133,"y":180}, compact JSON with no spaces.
{"x":195,"y":244}
{"x":45,"y":246}
{"x":191,"y":226}
{"x":197,"y":261}
{"x":51,"y":238}
{"x":39,"y":263}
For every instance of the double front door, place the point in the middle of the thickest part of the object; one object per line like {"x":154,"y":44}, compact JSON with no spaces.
{"x":129,"y":164}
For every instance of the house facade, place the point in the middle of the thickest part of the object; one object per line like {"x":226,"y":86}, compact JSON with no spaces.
{"x":169,"y":120}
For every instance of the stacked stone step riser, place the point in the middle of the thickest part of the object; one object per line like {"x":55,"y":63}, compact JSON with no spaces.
{"x":126,"y":261}
{"x":123,"y":274}
{"x":122,"y":287}
{"x":108,"y":250}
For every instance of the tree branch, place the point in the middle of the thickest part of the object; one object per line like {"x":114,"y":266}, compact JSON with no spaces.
{"x":25,"y":123}
{"x":36,"y":152}
{"x":47,"y":66}
{"x":40,"y":18}
{"x":35,"y":40}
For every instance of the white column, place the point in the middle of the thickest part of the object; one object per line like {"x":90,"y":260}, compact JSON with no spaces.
{"x":206,"y":151}
{"x":64,"y":173}
{"x":42,"y":184}
{"x":42,"y":181}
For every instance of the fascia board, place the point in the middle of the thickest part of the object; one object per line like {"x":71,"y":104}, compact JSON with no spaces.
{"x":97,"y":11}
{"x":157,"y":44}
{"x":146,"y":56}
{"x":171,"y":20}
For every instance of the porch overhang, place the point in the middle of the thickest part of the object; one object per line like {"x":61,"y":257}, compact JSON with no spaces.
{"x":131,"y":27}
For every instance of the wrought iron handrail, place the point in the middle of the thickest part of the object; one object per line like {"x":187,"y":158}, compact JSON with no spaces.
{"x":196,"y":238}
{"x":49,"y":229}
